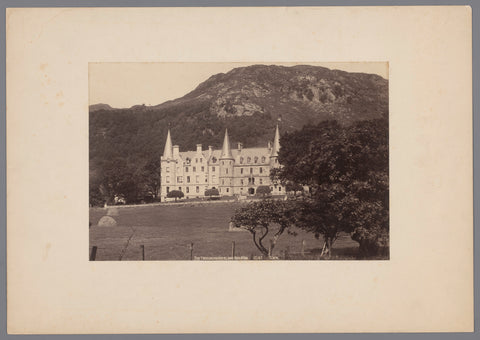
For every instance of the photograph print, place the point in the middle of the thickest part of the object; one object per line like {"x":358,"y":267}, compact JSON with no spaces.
{"x":238,"y":161}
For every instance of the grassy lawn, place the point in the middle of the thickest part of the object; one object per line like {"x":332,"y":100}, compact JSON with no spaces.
{"x":167,"y":231}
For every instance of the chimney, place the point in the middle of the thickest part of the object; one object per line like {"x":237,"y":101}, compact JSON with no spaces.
{"x":240,"y":145}
{"x":199,"y":148}
{"x":176,"y":150}
{"x":210,"y":151}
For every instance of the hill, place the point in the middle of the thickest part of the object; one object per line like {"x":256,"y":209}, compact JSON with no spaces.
{"x":97,"y":107}
{"x":249,"y":101}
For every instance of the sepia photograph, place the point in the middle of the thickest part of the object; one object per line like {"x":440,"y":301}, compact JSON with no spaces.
{"x":239,"y":174}
{"x":237,"y":161}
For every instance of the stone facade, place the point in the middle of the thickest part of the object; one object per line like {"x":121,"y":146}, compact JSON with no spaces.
{"x":234,"y":172}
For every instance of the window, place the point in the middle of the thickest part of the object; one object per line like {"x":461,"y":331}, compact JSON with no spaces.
{"x":241,"y":189}
{"x":249,"y":159}
{"x":186,"y":169}
{"x":179,"y":188}
{"x":168,"y":179}
{"x":206,"y":179}
{"x":213,"y":169}
{"x":214,"y":159}
{"x":201,"y":159}
{"x":223,"y":182}
{"x":196,"y":160}
{"x":279,"y":188}
{"x":241,"y":160}
{"x":241,"y":171}
{"x":168,"y":190}
{"x":261,"y":170}
{"x":226,"y":171}
{"x":227,"y":189}
{"x":167,"y":169}
{"x":188,"y":190}
{"x":179,"y":179}
{"x":203,"y":169}
{"x":188,"y":179}
{"x":251,"y":170}
{"x":263,"y":159}
{"x":214,"y":178}
{"x":197,"y":179}
{"x":194,"y":168}
{"x":255,"y":160}
{"x":223,"y":163}
{"x":197,"y":189}
{"x":241,"y":181}
{"x":261,"y":181}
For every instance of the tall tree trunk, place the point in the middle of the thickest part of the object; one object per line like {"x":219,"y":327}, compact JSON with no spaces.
{"x":329,"y":247}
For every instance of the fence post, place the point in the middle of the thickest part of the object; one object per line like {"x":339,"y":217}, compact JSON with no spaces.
{"x":233,"y":250}
{"x":93,"y":254}
{"x":143,"y":252}
{"x":191,"y":251}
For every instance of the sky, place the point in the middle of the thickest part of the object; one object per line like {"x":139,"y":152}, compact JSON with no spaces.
{"x":123,"y":85}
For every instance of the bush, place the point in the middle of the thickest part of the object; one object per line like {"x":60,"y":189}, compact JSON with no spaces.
{"x":372,"y":242}
{"x":175,"y":194}
{"x":263,"y":190}
{"x":211,"y":192}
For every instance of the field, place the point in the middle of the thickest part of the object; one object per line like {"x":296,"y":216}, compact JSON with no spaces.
{"x":167,"y":232}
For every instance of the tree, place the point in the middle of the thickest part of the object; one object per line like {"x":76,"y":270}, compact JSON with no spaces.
{"x":346,"y":170}
{"x":175,"y":194}
{"x":263,"y":190}
{"x":211,"y":192}
{"x":261,"y":217}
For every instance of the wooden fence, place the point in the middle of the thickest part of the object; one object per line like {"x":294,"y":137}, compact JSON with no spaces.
{"x":285,"y":254}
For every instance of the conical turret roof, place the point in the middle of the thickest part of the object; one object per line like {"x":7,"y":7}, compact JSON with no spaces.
{"x":276,"y":143}
{"x":226,"y":151}
{"x":167,"y":152}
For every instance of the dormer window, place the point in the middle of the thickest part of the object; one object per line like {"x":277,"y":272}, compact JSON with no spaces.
{"x":241,"y":160}
{"x":214,"y":159}
{"x":255,"y":160}
{"x":263,"y":159}
{"x":249,"y":159}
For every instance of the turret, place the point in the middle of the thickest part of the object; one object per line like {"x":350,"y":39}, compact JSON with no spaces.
{"x":226,"y":168}
{"x":167,"y":152}
{"x":276,"y":143}
{"x":275,"y":148}
{"x":167,"y":167}
{"x":226,"y":151}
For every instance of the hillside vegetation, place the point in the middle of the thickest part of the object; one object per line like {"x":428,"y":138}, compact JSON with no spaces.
{"x":126,"y":144}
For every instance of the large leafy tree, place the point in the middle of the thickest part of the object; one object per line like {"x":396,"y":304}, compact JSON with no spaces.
{"x":346,"y":169}
{"x":263,"y":218}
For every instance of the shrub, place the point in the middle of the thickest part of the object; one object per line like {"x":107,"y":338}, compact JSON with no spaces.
{"x":263,"y":190}
{"x":175,"y":194}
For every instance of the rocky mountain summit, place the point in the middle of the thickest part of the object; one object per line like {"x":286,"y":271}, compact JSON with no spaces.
{"x":297,"y":94}
{"x":249,"y":101}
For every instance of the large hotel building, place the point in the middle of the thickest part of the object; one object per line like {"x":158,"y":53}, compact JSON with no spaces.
{"x":234,"y":172}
